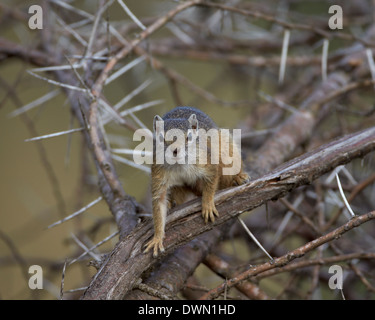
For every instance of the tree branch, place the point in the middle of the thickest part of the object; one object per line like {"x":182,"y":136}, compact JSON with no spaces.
{"x":290,"y":256}
{"x":117,"y":276}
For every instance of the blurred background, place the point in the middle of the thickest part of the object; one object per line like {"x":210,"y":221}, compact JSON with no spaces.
{"x":43,"y":181}
{"x":31,"y":199}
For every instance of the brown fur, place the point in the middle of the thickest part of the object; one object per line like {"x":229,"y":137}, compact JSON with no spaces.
{"x":175,"y":184}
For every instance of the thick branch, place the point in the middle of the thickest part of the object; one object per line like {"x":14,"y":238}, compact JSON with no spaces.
{"x":117,"y":275}
{"x":277,"y":149}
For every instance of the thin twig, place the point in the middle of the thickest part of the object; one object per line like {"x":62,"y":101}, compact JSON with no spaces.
{"x":284,"y":55}
{"x":55,"y":134}
{"x":343,"y":196}
{"x":131,"y":15}
{"x":325,"y":59}
{"x":253,"y":238}
{"x":62,"y":281}
{"x":76,"y":213}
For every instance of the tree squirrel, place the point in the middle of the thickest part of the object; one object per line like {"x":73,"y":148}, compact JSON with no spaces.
{"x":177,"y":176}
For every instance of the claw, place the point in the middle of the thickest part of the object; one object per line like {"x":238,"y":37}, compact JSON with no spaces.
{"x":156,"y":244}
{"x":209,"y":212}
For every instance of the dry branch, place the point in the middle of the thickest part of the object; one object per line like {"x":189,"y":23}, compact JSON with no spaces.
{"x":222,"y":267}
{"x":36,"y":57}
{"x":290,"y":256}
{"x":313,"y":262}
{"x":117,"y":275}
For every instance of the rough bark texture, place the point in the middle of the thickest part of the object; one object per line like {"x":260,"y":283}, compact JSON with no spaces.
{"x":116,"y":276}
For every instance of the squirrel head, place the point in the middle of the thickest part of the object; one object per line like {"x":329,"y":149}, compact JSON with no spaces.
{"x":176,"y":138}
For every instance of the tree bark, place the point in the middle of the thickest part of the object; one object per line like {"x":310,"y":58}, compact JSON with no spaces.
{"x":117,"y":276}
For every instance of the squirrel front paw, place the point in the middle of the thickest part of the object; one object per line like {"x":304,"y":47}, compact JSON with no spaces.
{"x":156,"y":244}
{"x":209,"y":211}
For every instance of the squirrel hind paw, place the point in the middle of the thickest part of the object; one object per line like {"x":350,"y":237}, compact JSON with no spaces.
{"x":156,"y":244}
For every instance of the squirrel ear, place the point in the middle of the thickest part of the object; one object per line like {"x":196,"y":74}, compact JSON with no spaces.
{"x":156,"y":118}
{"x":193,"y":122}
